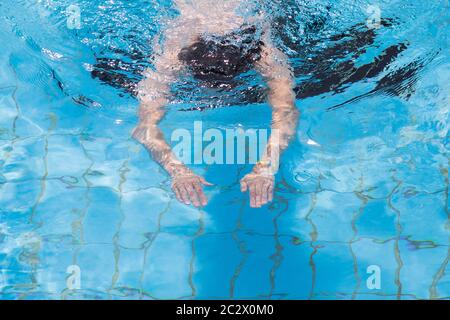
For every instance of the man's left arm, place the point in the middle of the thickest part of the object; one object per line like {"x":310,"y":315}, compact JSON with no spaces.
{"x":275,"y":69}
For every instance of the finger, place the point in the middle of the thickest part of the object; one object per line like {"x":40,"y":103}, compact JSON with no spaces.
{"x":184,"y":194}
{"x":252,"y":195}
{"x":270,"y":192}
{"x":201,"y":194}
{"x":206,"y":183}
{"x":265,"y":193}
{"x":244,"y":186}
{"x":177,"y":193}
{"x":258,"y":194}
{"x":193,"y":195}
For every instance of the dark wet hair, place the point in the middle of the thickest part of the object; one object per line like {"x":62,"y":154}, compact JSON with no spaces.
{"x":224,"y":57}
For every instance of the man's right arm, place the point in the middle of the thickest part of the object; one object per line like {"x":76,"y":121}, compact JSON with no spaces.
{"x":153,"y":93}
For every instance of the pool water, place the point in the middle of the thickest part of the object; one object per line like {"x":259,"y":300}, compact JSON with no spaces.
{"x":363,"y":186}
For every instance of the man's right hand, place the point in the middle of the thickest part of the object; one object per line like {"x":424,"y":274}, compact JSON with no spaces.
{"x":189,"y":189}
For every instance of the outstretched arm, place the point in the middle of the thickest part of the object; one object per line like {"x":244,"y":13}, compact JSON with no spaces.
{"x":153,"y":93}
{"x":275,"y":69}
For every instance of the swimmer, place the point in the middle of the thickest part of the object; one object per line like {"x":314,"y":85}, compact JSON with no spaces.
{"x":216,"y":41}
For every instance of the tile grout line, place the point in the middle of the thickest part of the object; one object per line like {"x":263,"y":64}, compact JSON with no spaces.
{"x":356,"y":215}
{"x":123,"y":170}
{"x":399,"y":230}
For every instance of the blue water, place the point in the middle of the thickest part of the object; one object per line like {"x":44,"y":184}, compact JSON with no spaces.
{"x":364,"y":183}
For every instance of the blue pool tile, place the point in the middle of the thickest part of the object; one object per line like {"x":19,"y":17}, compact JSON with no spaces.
{"x":338,"y":280}
{"x":20,"y":196}
{"x":225,"y":211}
{"x":377,"y":220}
{"x":54,"y":220}
{"x":293,"y":277}
{"x":102,"y":217}
{"x":333,"y":215}
{"x":253,"y":273}
{"x":25,"y":161}
{"x":96,"y":276}
{"x":140,"y":216}
{"x":419,"y":278}
{"x":167,"y":267}
{"x":177,"y":218}
{"x":66,"y":157}
{"x":383,"y":255}
{"x":294,"y":220}
{"x":215,"y":269}
{"x":423,"y":217}
{"x":130,"y":268}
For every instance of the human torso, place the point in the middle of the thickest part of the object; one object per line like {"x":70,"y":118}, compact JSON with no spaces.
{"x":213,"y":16}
